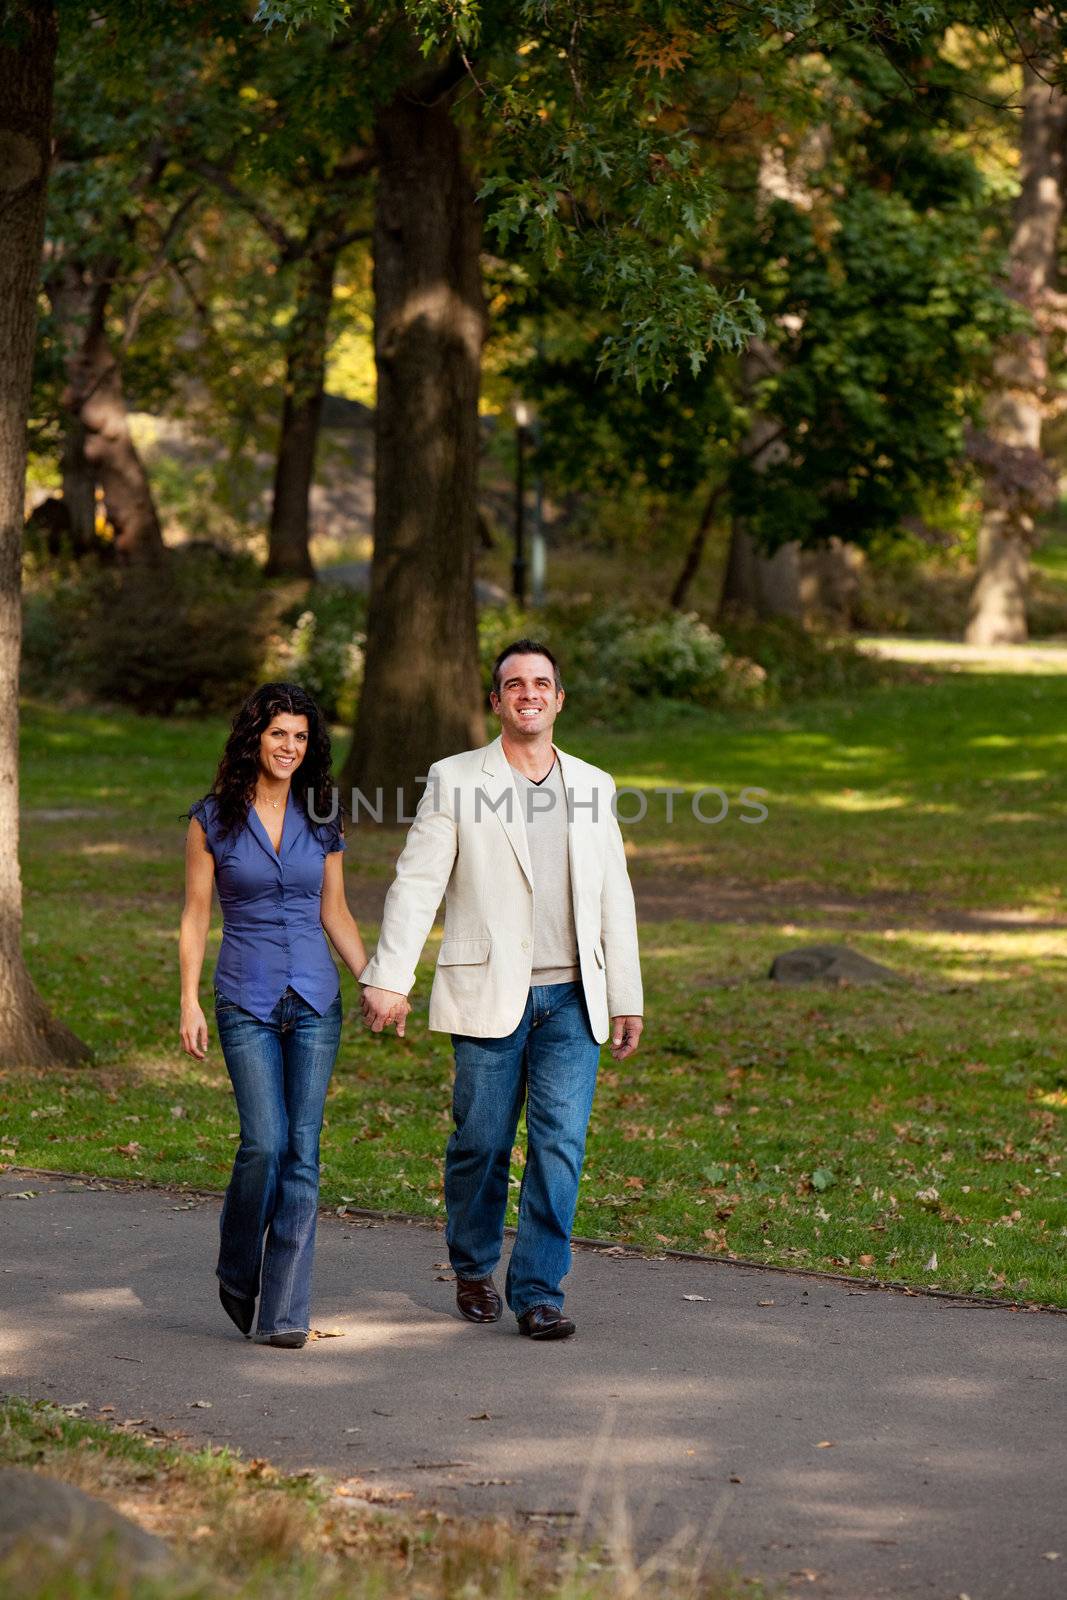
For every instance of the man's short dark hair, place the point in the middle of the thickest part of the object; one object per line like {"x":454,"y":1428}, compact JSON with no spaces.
{"x":525,"y":647}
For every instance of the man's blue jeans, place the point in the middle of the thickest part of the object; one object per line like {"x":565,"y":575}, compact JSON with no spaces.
{"x":280,"y":1070}
{"x":550,"y":1061}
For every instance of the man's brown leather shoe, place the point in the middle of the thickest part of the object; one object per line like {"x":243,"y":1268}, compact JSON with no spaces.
{"x":545,"y":1322}
{"x":478,"y":1300}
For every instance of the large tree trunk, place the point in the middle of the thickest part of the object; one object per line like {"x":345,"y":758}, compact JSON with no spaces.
{"x":422,"y":696}
{"x":1017,"y":481}
{"x":79,"y":487}
{"x":95,"y":399}
{"x":28,"y":1034}
{"x":764,"y":585}
{"x":305,"y":377}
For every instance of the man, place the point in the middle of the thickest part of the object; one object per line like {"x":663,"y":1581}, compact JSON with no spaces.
{"x":538,"y":963}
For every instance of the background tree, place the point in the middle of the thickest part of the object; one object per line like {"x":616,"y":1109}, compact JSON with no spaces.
{"x":284,"y":134}
{"x":1018,"y":481}
{"x":28,"y":33}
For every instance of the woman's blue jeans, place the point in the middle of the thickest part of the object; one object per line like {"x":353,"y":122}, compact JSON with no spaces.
{"x":280,"y":1071}
{"x":550,"y":1061}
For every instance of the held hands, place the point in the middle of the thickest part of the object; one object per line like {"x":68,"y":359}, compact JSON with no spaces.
{"x":384,"y":1006}
{"x":625,"y":1036}
{"x":194,"y":1030}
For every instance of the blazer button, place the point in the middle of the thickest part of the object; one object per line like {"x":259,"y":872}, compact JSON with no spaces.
{"x":526,"y":944}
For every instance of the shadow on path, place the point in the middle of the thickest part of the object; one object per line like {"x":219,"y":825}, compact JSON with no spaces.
{"x":894,"y":1446}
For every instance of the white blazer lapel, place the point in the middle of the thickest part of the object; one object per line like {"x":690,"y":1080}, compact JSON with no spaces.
{"x":502,"y":796}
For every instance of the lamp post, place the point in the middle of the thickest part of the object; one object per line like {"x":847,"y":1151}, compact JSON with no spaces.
{"x":523,"y":418}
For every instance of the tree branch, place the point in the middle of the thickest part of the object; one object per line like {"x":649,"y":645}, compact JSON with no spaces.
{"x":270,"y":225}
{"x":156,"y":265}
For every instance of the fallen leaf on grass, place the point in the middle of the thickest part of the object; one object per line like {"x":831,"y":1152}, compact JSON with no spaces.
{"x":716,"y":1237}
{"x":131,"y":1149}
{"x":866,"y":1261}
{"x":931,"y":1265}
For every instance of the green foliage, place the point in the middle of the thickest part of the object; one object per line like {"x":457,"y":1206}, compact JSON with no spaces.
{"x":614,"y":659}
{"x":799,"y":664}
{"x":320,"y":646}
{"x":872,"y":256}
{"x":186,"y":634}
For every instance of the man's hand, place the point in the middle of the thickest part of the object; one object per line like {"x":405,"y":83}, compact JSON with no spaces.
{"x":384,"y":1006}
{"x":625,"y":1036}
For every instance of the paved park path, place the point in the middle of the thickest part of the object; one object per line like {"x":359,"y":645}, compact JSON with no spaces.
{"x":845,"y":1442}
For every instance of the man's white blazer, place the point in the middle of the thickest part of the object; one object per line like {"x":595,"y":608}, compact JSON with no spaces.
{"x":468,"y":844}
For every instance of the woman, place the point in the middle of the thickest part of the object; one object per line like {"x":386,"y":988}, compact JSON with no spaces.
{"x":277,"y":995}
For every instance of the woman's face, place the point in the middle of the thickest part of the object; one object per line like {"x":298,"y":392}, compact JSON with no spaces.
{"x":283,"y":745}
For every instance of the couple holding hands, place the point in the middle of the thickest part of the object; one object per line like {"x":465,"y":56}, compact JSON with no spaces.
{"x":538,"y":967}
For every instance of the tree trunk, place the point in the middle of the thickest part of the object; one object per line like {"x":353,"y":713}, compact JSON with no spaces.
{"x":765,"y":585}
{"x":79,"y":487}
{"x":28,"y":1034}
{"x":695,"y":553}
{"x":422,"y":695}
{"x":829,"y":583}
{"x":96,"y":399}
{"x":1017,"y":480}
{"x":305,"y":377}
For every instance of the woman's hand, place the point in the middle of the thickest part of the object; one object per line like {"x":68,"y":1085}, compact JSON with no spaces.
{"x":194,"y":1029}
{"x":383,"y":1007}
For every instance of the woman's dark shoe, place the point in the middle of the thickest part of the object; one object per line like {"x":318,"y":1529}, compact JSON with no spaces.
{"x":545,"y":1322}
{"x":287,"y":1341}
{"x":240,"y":1308}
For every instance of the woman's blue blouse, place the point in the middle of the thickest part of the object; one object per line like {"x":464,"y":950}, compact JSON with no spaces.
{"x":272,"y":933}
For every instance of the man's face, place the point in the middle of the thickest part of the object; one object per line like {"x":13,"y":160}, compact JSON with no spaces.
{"x":528,"y":701}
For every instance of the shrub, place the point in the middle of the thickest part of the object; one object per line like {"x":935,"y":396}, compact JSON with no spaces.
{"x":614,"y":659}
{"x":181,"y":635}
{"x":798,"y":664}
{"x":320,"y":646}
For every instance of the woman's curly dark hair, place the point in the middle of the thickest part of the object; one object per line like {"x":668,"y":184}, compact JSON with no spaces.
{"x":235,"y":781}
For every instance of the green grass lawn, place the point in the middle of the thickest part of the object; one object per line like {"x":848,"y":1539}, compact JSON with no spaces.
{"x":912,"y":1133}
